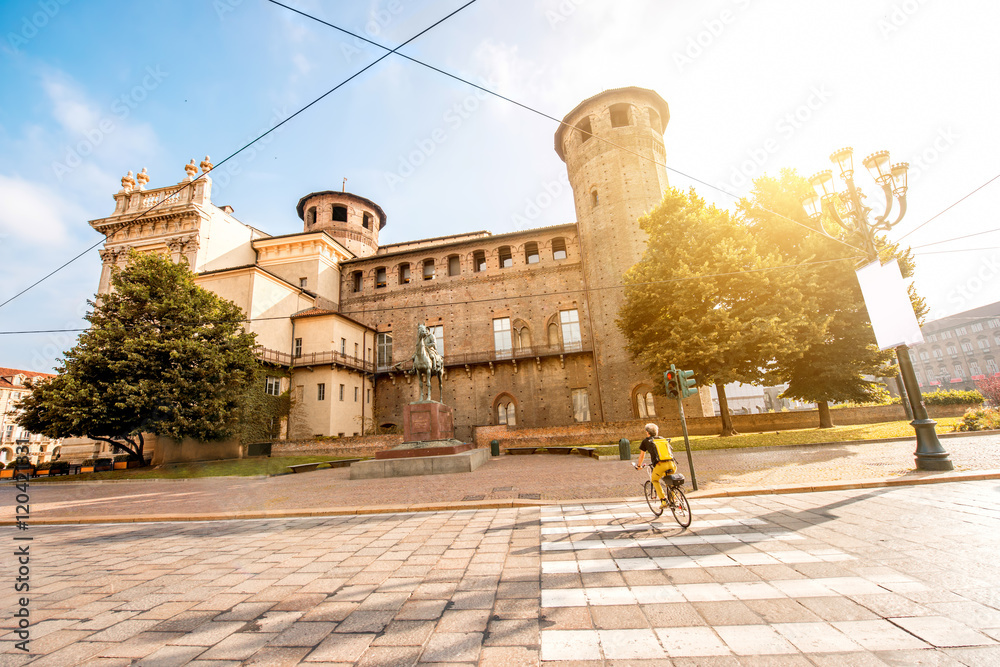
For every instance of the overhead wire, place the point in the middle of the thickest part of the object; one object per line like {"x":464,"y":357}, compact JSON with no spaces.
{"x":492,"y":299}
{"x":947,"y":208}
{"x":548,"y":116}
{"x":142,"y":214}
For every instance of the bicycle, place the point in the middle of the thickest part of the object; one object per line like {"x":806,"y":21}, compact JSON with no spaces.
{"x":676,"y":499}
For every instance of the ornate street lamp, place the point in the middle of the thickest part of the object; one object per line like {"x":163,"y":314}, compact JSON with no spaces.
{"x":843,"y":215}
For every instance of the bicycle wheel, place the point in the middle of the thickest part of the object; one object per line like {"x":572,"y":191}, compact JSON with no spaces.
{"x":679,"y":506}
{"x":652,"y":499}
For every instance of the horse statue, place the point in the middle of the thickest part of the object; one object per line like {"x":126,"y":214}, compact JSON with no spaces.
{"x":427,"y":362}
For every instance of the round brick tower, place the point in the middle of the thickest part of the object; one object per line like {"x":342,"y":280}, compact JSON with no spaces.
{"x":612,"y":145}
{"x":352,"y":220}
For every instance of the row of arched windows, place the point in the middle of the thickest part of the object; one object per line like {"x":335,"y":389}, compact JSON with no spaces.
{"x":478,"y":261}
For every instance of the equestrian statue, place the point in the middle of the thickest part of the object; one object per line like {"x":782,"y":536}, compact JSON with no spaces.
{"x":427,"y":361}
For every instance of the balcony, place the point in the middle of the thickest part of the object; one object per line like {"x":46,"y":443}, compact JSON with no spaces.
{"x":491,"y":356}
{"x":329,"y":357}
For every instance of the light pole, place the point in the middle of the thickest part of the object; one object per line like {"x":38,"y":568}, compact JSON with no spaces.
{"x":854,"y":225}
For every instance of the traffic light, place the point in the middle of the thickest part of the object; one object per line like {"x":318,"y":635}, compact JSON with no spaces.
{"x":687,"y":383}
{"x":670,"y":379}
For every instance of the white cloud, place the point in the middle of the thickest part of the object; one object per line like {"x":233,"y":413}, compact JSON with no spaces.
{"x":34,"y":212}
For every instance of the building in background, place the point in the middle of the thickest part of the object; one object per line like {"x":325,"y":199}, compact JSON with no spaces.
{"x":525,"y":321}
{"x":12,"y":387}
{"x":958,"y":349}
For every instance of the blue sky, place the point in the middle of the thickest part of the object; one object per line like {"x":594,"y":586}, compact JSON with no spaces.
{"x":94,"y":89}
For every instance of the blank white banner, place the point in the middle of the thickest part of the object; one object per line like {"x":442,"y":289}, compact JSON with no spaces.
{"x":889,"y":307}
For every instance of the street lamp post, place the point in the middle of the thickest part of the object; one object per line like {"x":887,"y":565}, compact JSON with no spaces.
{"x":854,"y":223}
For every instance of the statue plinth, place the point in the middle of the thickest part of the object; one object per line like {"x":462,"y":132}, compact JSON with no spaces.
{"x":427,"y":420}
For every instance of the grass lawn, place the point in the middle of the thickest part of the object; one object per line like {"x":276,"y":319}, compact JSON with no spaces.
{"x":804,"y":436}
{"x":234,"y":467}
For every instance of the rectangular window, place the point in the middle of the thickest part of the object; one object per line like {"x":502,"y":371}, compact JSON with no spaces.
{"x":380,"y":277}
{"x":355,"y":350}
{"x":369,"y":395}
{"x":581,"y":405}
{"x":994,"y":323}
{"x":272,"y":386}
{"x":298,"y":348}
{"x":404,"y":274}
{"x":479,"y":261}
{"x":991,"y":366}
{"x":341,"y":392}
{"x":454,"y":266}
{"x":959,"y":372}
{"x":428,"y":269}
{"x":932,"y":338}
{"x":978,"y":326}
{"x":501,"y":337}
{"x":570,"y":320}
{"x":974,"y":368}
{"x":300,"y":393}
{"x":383,"y":348}
{"x":303,"y":282}
{"x":506,"y":258}
{"x":356,"y":394}
{"x":356,"y":281}
{"x":343,"y":346}
{"x":321,"y":391}
{"x":558,"y":248}
{"x":438,"y":332}
{"x":960,"y":331}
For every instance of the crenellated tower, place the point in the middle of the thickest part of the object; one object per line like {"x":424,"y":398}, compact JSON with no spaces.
{"x":352,"y":220}
{"x":612,"y":144}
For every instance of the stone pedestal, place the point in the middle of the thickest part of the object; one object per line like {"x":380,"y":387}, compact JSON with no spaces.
{"x":427,"y":421}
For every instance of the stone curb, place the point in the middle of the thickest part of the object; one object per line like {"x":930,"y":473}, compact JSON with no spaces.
{"x":928,"y":478}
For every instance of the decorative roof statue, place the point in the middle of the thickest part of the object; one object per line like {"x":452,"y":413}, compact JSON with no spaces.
{"x":191,"y":170}
{"x":142,"y":178}
{"x":128,"y":182}
{"x":206,"y":165}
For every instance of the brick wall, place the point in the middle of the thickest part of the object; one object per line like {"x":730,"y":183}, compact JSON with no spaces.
{"x":360,"y":446}
{"x":611,"y":432}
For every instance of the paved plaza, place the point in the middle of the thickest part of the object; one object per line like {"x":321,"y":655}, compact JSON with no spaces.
{"x":887,"y":576}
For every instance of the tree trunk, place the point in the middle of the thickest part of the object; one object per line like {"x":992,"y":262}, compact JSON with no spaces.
{"x":727,"y":421}
{"x":825,"y":419}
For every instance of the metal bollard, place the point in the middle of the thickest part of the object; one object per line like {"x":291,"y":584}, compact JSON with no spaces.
{"x":625,"y":449}
{"x":494,"y":448}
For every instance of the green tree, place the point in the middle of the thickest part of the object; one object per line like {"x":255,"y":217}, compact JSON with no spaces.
{"x":161,"y":356}
{"x":840,"y":355}
{"x":704,"y":297}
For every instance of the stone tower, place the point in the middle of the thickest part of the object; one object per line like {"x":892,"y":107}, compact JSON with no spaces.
{"x":352,"y":220}
{"x":612,"y":145}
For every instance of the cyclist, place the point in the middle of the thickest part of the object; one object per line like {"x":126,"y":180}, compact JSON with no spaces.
{"x":660,"y":457}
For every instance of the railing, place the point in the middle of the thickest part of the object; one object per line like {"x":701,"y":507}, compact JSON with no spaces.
{"x":503,"y":355}
{"x":272,"y":356}
{"x":332,"y":357}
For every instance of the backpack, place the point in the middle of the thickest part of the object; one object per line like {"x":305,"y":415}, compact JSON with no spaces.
{"x":662,"y":450}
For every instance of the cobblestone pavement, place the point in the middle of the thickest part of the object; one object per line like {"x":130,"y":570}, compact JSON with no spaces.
{"x":889,"y":576}
{"x":534,"y":477}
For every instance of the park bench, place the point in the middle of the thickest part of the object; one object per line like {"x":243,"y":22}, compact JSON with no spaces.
{"x":521,"y":450}
{"x":559,"y":450}
{"x":586,"y":451}
{"x":342,"y":463}
{"x":304,"y":467}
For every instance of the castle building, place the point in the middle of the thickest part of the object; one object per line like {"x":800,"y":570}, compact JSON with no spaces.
{"x":525,"y":321}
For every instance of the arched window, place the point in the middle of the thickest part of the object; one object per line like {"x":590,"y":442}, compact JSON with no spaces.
{"x":505,"y":256}
{"x":380,"y":277}
{"x":366,"y":220}
{"x":531,"y":253}
{"x":967,"y":346}
{"x":428,"y":269}
{"x":522,"y":337}
{"x":356,"y":279}
{"x":984,"y":344}
{"x":506,"y":411}
{"x":594,"y":198}
{"x":559,"y":248}
{"x":654,"y":121}
{"x":479,"y":261}
{"x":404,"y":273}
{"x":642,"y":402}
{"x":584,"y":130}
{"x":339,"y":214}
{"x":311,"y":216}
{"x":454,"y":265}
{"x":621,"y":115}
{"x":553,"y":335}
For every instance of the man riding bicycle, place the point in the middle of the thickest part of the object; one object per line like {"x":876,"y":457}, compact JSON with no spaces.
{"x":660,"y":457}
